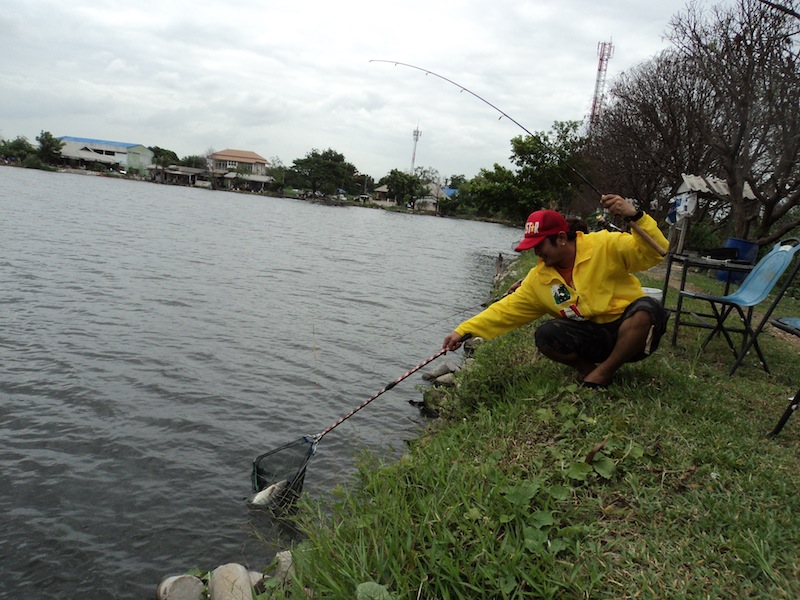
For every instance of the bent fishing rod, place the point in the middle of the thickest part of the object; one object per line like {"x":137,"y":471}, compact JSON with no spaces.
{"x":502,"y":114}
{"x":560,"y":159}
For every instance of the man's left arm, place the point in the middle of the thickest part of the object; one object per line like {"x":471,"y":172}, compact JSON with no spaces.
{"x":642,"y":254}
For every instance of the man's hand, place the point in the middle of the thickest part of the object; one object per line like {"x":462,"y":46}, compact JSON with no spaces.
{"x":617,"y":205}
{"x":513,"y":287}
{"x":452,"y":341}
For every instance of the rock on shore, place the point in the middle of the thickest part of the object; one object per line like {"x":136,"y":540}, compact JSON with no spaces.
{"x":231,"y":581}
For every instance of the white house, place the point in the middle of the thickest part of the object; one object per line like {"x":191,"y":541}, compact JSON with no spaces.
{"x":430,"y":201}
{"x":84,"y":152}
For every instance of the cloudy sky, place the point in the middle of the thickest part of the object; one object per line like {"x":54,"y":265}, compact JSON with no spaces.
{"x":282,"y":77}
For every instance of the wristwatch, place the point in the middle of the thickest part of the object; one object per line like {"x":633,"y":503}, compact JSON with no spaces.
{"x":639,"y":214}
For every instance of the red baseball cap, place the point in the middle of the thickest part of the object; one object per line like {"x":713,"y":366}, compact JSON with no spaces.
{"x":541,"y":224}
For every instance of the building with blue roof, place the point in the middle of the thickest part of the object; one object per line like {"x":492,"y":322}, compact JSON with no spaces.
{"x":90,"y":153}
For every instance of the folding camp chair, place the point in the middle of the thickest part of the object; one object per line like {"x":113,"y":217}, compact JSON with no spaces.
{"x":790,"y":325}
{"x":754,"y":289}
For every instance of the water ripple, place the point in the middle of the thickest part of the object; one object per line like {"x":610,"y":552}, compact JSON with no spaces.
{"x":154,"y":339}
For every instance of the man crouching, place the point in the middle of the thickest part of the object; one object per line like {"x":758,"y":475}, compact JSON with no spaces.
{"x":601,"y":317}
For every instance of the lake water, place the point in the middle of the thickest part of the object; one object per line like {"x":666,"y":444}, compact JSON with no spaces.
{"x":155,"y":339}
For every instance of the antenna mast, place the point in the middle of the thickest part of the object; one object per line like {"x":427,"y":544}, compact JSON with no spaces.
{"x":417,"y":135}
{"x":605,"y":50}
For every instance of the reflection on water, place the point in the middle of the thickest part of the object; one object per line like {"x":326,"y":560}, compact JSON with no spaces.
{"x":155,"y":339}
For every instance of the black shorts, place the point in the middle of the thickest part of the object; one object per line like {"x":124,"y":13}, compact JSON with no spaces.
{"x":595,"y":341}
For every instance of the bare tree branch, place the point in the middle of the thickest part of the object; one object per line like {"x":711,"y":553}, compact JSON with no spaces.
{"x":782,"y":8}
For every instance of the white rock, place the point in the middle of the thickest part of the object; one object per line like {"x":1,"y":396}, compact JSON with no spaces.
{"x":447,"y":379}
{"x":180,"y":587}
{"x":230,"y":582}
{"x":473,"y":343}
{"x":255,"y":578}
{"x":437,"y":372}
{"x":285,"y":569}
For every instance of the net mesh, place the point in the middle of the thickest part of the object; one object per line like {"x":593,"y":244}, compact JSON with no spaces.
{"x":284,"y":464}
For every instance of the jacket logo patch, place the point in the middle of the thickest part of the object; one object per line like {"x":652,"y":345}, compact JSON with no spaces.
{"x":560,"y":293}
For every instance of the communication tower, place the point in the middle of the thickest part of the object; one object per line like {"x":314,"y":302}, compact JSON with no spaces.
{"x":605,"y":50}
{"x":417,"y":135}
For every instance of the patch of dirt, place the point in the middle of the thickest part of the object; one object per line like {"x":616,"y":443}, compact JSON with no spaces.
{"x":789,"y":338}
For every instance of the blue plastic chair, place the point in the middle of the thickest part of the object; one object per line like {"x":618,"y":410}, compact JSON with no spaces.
{"x":754,"y":289}
{"x":790,"y":325}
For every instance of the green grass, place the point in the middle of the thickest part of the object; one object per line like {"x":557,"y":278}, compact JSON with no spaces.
{"x":663,"y":486}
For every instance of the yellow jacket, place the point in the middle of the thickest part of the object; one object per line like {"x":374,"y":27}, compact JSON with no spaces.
{"x":602,"y":277}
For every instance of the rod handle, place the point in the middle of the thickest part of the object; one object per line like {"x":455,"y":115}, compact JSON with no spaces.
{"x":646,"y":237}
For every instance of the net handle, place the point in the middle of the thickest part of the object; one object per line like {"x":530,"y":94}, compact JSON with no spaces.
{"x":408,"y":373}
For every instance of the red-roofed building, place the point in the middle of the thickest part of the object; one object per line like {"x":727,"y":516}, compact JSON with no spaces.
{"x":232,"y":161}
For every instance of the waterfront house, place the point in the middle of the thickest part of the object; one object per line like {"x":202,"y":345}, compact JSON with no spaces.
{"x":89,"y":153}
{"x":237,"y":161}
{"x":239,"y":169}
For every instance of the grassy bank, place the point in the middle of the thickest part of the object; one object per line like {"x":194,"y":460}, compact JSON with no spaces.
{"x":663,"y":486}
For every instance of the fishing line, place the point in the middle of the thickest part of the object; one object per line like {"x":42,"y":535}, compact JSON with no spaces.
{"x":447,"y":318}
{"x":502,"y":114}
{"x":314,"y":354}
{"x":499,"y":264}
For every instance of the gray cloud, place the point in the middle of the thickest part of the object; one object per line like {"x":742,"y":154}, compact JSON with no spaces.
{"x":281,"y":78}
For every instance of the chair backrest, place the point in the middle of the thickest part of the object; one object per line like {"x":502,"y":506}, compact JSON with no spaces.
{"x":760,"y":281}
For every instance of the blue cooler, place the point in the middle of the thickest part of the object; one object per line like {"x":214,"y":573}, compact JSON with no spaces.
{"x":748,"y":252}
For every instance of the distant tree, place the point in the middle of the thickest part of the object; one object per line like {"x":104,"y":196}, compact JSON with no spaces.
{"x":455,"y":204}
{"x":492,"y":192}
{"x":546,"y":165}
{"x":543,"y":176}
{"x":403,"y":186}
{"x":456,"y":181}
{"x":277,"y":170}
{"x":17,"y":149}
{"x":427,"y":175}
{"x":239,"y":181}
{"x":163,"y":157}
{"x":49,"y":148}
{"x":450,"y":206}
{"x":324,"y":171}
{"x":194,"y":161}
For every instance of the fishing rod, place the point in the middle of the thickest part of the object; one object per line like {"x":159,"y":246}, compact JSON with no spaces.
{"x":502,"y":113}
{"x":635,"y":226}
